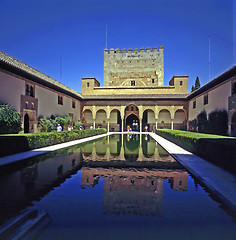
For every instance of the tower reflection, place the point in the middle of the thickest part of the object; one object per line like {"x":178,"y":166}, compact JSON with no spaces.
{"x":134,"y":191}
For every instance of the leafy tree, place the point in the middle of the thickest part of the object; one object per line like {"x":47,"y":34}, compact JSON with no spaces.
{"x":10,"y":120}
{"x":77,"y":125}
{"x":68,"y":122}
{"x":44,"y":124}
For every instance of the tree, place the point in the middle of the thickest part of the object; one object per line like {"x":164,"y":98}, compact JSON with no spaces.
{"x":218,"y":122}
{"x":10,"y":120}
{"x":44,"y":124}
{"x":197,"y":84}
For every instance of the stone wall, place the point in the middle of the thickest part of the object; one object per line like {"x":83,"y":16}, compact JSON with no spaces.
{"x":145,"y":68}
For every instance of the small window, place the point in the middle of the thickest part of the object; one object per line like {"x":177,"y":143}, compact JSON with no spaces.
{"x":60,"y":100}
{"x":31,"y":91}
{"x":87,"y":84}
{"x":73,"y":104}
{"x":181,"y":83}
{"x":132,"y":108}
{"x":27,"y":90}
{"x":153,"y":80}
{"x":27,"y":105}
{"x":132,"y":83}
{"x":32,"y":106}
{"x":194,"y":104}
{"x":205,"y":99}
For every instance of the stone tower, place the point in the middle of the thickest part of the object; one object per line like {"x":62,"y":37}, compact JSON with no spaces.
{"x":134,"y":68}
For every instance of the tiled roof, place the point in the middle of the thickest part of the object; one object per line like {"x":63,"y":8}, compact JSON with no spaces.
{"x":32,"y":71}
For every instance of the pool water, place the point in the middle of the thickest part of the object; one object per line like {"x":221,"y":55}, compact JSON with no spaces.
{"x":115,"y":188}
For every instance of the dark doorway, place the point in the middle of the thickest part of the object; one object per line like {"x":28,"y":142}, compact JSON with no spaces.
{"x":132,"y":121}
{"x":26,"y":123}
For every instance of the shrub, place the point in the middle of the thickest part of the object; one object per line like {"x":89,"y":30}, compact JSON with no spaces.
{"x":25,"y":142}
{"x":10,"y":120}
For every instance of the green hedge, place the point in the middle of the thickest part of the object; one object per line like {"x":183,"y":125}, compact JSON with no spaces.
{"x":219,"y":150}
{"x":15,"y":143}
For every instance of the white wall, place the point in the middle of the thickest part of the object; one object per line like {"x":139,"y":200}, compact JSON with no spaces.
{"x":113,"y":117}
{"x":179,"y":117}
{"x":101,"y":116}
{"x":88,"y":116}
{"x":164,"y":115}
{"x":11,"y":89}
{"x":217,"y":99}
{"x":151,"y":117}
{"x":48,"y":104}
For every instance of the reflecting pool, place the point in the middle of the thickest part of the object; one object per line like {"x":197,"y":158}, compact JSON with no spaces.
{"x":115,"y":188}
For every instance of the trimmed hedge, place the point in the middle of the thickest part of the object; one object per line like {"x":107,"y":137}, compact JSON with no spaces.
{"x":219,"y":150}
{"x":15,"y":143}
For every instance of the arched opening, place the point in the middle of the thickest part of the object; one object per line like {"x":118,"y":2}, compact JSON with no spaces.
{"x":148,"y":120}
{"x":132,"y":117}
{"x":233,"y":125}
{"x":115,"y":121}
{"x":101,"y":118}
{"x":87,"y":118}
{"x":132,"y":122}
{"x":26,"y":123}
{"x":164,"y":119}
{"x":180,"y":120}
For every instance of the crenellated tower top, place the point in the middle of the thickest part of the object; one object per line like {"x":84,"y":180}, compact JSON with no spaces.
{"x":134,"y":67}
{"x":130,"y":50}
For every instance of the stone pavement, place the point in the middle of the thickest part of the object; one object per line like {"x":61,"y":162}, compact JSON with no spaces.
{"x":217,"y":180}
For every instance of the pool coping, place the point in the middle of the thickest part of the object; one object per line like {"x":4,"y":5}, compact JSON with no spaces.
{"x":215,"y":179}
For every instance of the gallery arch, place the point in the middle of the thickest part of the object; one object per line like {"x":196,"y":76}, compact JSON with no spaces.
{"x":180,"y":120}
{"x":136,"y":117}
{"x":164,"y":119}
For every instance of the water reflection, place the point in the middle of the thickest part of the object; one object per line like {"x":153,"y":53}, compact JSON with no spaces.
{"x":19,"y":188}
{"x":127,"y":150}
{"x":133,"y":191}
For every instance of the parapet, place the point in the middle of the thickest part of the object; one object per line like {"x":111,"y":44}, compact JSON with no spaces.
{"x":130,"y":50}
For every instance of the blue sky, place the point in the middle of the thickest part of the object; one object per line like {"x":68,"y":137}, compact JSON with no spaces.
{"x":39,"y":33}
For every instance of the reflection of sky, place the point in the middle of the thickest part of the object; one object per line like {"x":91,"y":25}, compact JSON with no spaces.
{"x":186,"y":215}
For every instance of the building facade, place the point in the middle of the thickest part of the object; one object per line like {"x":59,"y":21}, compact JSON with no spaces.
{"x":133,"y":96}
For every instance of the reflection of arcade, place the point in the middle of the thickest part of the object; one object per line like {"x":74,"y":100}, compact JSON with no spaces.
{"x":134,"y":191}
{"x":116,"y":148}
